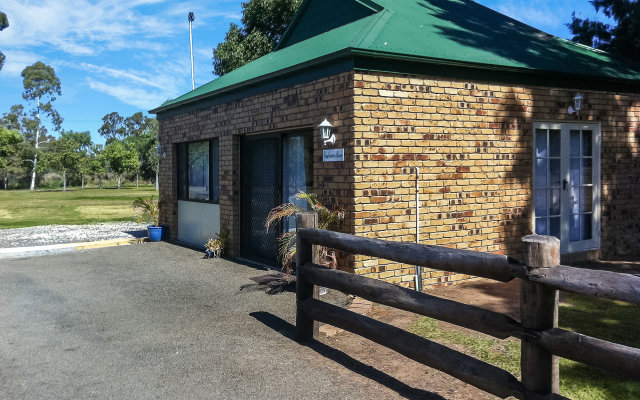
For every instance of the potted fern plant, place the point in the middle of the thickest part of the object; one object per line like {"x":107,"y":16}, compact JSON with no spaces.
{"x":148,"y":210}
{"x":287,"y":240}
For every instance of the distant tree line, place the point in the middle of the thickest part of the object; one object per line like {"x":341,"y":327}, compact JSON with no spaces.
{"x":28,"y":150}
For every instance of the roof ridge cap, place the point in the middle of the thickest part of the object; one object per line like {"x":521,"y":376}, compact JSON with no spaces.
{"x":370,"y":31}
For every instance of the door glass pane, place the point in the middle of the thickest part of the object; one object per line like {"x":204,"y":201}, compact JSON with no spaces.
{"x":586,"y":199}
{"x":574,"y":199}
{"x":554,"y":202}
{"x":574,"y":143}
{"x":574,"y":171}
{"x":297,"y":172}
{"x":574,"y":228}
{"x":541,"y":202}
{"x":541,"y":143}
{"x":554,"y":143}
{"x":541,"y":226}
{"x":554,"y":227}
{"x":198,"y":170}
{"x":586,"y":143}
{"x":587,"y":173}
{"x":541,"y":172}
{"x":587,"y":226}
{"x":554,"y":172}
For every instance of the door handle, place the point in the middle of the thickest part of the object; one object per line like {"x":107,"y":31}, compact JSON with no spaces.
{"x":564,"y":184}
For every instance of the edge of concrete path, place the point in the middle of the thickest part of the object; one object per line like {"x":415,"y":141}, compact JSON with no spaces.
{"x":11,"y":252}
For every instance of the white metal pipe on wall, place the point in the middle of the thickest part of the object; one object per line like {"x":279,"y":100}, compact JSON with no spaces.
{"x":418,"y":274}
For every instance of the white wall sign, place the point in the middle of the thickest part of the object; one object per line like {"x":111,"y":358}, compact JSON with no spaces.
{"x":332,"y":155}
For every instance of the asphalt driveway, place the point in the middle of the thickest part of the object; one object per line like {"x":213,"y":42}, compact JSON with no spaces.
{"x":156,"y":321}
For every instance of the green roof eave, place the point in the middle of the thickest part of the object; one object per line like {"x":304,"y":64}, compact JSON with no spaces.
{"x":379,"y":61}
{"x":345,"y":53}
{"x":402,"y":63}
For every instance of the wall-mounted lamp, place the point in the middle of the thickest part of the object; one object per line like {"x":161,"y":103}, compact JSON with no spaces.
{"x":325,"y":131}
{"x":577,"y":104}
{"x":161,"y":152}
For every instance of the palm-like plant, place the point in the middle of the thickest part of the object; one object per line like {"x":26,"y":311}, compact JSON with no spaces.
{"x":147,"y":210}
{"x":287,"y":240}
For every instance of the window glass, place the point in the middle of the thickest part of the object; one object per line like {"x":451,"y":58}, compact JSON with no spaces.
{"x":215,"y":190}
{"x":181,"y":150}
{"x":541,"y":143}
{"x":198,"y":166}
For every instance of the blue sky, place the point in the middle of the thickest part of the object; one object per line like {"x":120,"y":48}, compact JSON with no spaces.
{"x":130,"y":56}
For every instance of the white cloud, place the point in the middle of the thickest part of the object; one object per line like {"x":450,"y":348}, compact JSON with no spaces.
{"x":134,"y":96}
{"x":81,"y":27}
{"x":16,"y":61}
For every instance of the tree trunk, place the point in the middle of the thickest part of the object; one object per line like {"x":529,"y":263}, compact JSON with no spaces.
{"x":82,"y":182}
{"x":6,"y":181}
{"x":118,"y":180}
{"x":136,"y":179}
{"x":100,"y":179}
{"x":35,"y":157}
{"x":157,"y":188}
{"x":64,"y":180}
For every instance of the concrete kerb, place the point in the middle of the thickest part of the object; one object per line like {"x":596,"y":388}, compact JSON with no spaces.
{"x":19,"y":252}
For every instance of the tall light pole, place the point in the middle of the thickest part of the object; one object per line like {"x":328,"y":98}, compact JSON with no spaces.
{"x":191,"y":18}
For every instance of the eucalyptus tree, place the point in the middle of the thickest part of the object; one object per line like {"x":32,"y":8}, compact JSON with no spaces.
{"x":263,"y":23}
{"x":65,"y":155}
{"x":10,"y":160}
{"x":4,"y":24}
{"x":120,"y":159}
{"x":621,"y":38}
{"x":41,"y":85}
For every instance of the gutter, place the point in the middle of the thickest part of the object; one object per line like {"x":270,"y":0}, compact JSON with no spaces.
{"x":344,"y":53}
{"x":632,"y":85}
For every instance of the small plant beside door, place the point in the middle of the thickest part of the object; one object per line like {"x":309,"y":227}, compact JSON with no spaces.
{"x":287,"y":240}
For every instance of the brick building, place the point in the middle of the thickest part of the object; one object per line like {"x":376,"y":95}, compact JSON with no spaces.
{"x":470,"y":103}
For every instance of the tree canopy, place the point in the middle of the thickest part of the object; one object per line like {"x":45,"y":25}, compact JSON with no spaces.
{"x":4,"y":24}
{"x":622,"y":39}
{"x":120,"y":159}
{"x":264,"y":22}
{"x":41,"y":85}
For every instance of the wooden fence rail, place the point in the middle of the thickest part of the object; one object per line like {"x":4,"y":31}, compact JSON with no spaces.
{"x":541,"y":340}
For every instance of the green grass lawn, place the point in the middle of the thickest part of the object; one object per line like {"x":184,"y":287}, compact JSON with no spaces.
{"x":22,"y":208}
{"x":615,"y":321}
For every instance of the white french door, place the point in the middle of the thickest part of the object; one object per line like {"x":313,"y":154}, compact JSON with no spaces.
{"x":566,"y":184}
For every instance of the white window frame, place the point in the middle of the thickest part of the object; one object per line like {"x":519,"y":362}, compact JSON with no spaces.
{"x":566,"y":246}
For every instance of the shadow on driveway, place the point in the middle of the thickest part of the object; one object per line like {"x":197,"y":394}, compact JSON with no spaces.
{"x":288,"y":330}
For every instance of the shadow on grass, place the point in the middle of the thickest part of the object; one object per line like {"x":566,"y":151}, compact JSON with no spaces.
{"x":579,"y":381}
{"x":615,"y":321}
{"x":288,"y":330}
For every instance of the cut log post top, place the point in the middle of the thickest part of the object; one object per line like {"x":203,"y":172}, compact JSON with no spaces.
{"x":541,"y":251}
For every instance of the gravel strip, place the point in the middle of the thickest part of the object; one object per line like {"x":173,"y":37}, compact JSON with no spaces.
{"x":57,"y":234}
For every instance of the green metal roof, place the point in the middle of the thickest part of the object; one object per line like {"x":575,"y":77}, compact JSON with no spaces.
{"x":448,"y":32}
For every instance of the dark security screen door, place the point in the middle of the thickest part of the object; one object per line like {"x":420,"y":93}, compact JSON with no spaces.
{"x":261,"y":181}
{"x":274,"y":169}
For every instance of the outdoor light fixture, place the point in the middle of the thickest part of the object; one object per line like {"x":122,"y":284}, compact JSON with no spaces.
{"x":325,"y":131}
{"x":577,"y":104}
{"x":161,"y":153}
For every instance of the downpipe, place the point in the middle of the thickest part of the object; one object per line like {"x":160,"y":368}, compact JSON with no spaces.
{"x":418,"y":269}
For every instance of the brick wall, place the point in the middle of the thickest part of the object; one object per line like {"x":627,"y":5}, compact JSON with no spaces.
{"x":302,"y":106}
{"x":473,"y":144}
{"x":472,"y":141}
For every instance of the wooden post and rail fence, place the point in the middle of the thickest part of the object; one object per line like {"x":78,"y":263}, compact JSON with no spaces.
{"x":541,"y":339}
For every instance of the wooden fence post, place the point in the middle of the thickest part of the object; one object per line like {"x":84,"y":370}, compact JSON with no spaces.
{"x":306,"y":328}
{"x":539,"y":311}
